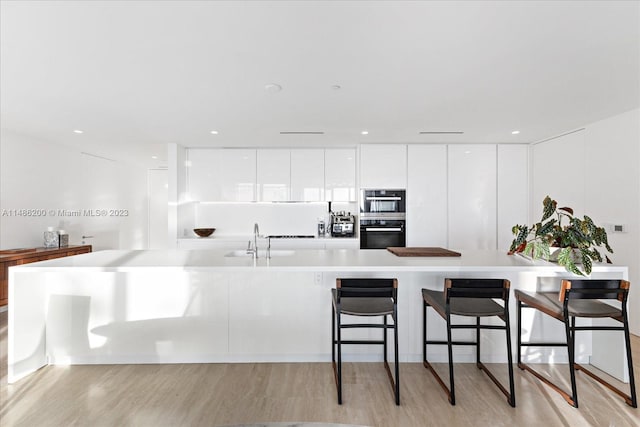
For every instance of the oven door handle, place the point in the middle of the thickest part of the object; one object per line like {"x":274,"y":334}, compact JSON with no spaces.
{"x":383,"y":229}
{"x":383,"y":198}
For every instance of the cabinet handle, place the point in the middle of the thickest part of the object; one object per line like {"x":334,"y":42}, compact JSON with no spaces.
{"x":384,"y":198}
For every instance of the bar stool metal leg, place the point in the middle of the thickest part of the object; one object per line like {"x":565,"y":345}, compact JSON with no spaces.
{"x":512,"y":394}
{"x":452,"y":390}
{"x":634,"y":399}
{"x":339,"y":374}
{"x":395,"y":343}
{"x":571,"y":350}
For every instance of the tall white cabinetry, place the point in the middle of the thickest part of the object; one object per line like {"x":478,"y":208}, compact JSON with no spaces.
{"x":307,"y":175}
{"x":216,"y":174}
{"x":340,"y":174}
{"x":427,"y":195}
{"x":472,"y":196}
{"x":273,"y":175}
{"x":383,"y":166}
{"x":513,"y":191}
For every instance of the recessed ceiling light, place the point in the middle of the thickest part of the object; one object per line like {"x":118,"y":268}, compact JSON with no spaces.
{"x":272,"y":87}
{"x":515,"y":132}
{"x":154,"y":157}
{"x":214,"y":132}
{"x":77,"y":131}
{"x":365,"y":132}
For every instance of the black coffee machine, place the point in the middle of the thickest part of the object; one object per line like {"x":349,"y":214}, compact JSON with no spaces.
{"x":342,"y":224}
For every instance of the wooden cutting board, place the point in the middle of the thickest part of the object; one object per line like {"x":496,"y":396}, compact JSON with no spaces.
{"x":416,"y":251}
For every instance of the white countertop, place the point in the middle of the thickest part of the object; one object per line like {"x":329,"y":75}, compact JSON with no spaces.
{"x":301,"y":260}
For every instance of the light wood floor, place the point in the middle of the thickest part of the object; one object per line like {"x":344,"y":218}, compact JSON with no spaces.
{"x":232,"y":394}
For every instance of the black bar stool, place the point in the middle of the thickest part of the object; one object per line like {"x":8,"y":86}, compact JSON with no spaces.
{"x":365,"y":297}
{"x":475,"y":298}
{"x":580,"y":298}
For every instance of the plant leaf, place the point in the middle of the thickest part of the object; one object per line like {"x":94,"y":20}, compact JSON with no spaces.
{"x":549,"y":207}
{"x":542,"y":250}
{"x":566,"y":209}
{"x":586,"y":261}
{"x":517,"y":243}
{"x":564,"y":256}
{"x":573,"y":268}
{"x":546,"y":228}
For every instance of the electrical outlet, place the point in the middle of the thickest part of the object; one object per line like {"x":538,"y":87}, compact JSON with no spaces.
{"x":318,"y":278}
{"x":616,"y":228}
{"x":619,"y":228}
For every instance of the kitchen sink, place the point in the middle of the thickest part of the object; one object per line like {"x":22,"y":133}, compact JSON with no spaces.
{"x":262,"y":253}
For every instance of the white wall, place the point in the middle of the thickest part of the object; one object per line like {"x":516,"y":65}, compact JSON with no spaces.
{"x":51,"y":178}
{"x":595,"y":171}
{"x":158,"y":196}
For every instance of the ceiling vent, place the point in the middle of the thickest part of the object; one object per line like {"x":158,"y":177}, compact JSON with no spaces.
{"x":295,"y":132}
{"x":457,"y":132}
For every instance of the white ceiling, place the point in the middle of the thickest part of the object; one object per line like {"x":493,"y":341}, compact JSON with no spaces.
{"x":135,"y":75}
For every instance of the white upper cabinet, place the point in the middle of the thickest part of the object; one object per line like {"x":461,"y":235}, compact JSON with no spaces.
{"x":216,"y":174}
{"x":203,"y":173}
{"x":472,"y":196}
{"x":383,"y":166}
{"x":307,"y":175}
{"x":513,"y":191}
{"x":274,"y":175}
{"x":238,"y":175}
{"x":340,"y":174}
{"x":427,"y":195}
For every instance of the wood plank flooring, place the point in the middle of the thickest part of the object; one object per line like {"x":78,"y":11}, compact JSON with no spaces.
{"x":236,"y":394}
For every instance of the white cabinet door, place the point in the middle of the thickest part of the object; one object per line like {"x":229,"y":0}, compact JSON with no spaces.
{"x":203,"y":174}
{"x":427,"y":195}
{"x":383,"y":166}
{"x":513,"y":190}
{"x":340,"y":174}
{"x":263,"y":308}
{"x":274,"y":175}
{"x":472,"y":196}
{"x":237,"y":177}
{"x":307,"y":175}
{"x":217,"y":174}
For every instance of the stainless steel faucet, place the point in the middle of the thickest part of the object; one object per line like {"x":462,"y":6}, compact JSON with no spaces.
{"x":254,"y":250}
{"x":256,"y":234}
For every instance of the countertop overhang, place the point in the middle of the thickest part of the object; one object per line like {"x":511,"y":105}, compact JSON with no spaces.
{"x":301,"y":260}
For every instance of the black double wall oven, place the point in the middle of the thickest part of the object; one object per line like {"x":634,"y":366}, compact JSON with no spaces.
{"x":382,"y":219}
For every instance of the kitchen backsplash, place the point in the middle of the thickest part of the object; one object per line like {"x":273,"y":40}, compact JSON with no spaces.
{"x":232,"y":219}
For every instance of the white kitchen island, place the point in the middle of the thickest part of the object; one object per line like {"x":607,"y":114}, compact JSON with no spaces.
{"x":201,"y":306}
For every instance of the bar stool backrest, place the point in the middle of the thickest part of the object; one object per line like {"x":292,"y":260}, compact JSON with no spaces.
{"x":367,"y":288}
{"x":476,"y":288}
{"x":594,"y":289}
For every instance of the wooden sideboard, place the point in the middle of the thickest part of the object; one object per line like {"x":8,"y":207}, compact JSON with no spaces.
{"x":11,"y":257}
